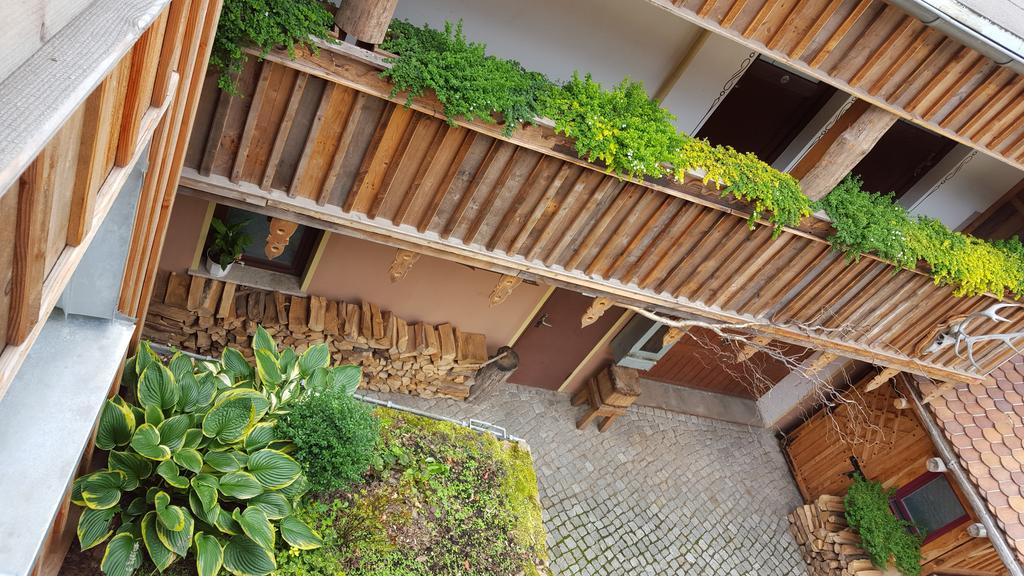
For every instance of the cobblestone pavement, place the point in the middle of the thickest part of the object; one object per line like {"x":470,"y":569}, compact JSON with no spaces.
{"x":659,"y":493}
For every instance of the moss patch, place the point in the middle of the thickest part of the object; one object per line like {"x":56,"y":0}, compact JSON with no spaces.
{"x":439,"y":500}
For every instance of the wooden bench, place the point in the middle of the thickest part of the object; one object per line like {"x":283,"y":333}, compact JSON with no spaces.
{"x":609,"y":394}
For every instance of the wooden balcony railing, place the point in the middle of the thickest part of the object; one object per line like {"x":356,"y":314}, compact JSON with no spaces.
{"x":883,"y":55}
{"x":318,"y":140}
{"x":71,"y":143}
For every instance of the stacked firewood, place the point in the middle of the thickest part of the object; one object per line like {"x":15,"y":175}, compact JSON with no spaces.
{"x":827,"y":544}
{"x":204,"y":315}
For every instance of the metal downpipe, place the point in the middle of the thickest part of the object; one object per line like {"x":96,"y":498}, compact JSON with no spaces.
{"x":1007,"y":554}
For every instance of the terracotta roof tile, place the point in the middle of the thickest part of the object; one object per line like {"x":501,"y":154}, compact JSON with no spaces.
{"x":985,"y":424}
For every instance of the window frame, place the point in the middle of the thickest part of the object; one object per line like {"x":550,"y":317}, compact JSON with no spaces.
{"x":901,"y":511}
{"x":306,"y":236}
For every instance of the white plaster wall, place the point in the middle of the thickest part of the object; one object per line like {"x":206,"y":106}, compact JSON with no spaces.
{"x":709,"y":77}
{"x":611,"y":39}
{"x":964,"y":184}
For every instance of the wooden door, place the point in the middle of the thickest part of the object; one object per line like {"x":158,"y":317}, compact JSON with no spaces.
{"x":704,"y":361}
{"x":554,"y":344}
{"x":765,"y":110}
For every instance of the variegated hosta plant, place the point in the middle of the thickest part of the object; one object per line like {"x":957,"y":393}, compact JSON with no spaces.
{"x":195,"y":467}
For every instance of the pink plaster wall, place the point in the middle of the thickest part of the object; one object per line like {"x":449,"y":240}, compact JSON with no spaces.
{"x":434,"y":291}
{"x":182,"y":233}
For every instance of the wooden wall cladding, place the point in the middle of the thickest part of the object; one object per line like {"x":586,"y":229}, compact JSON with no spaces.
{"x":53,"y":208}
{"x":318,"y":136}
{"x":882,"y":54}
{"x":892,"y":448}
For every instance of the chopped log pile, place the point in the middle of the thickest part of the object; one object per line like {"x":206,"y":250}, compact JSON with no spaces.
{"x":827,"y":544}
{"x":204,"y":316}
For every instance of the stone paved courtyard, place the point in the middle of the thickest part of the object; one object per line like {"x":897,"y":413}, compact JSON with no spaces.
{"x":660,"y":493}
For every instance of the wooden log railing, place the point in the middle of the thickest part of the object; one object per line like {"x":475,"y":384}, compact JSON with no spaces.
{"x":319,"y":140}
{"x":884,"y":55}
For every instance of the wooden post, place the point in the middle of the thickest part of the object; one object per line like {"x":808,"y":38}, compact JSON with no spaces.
{"x":494,"y":373}
{"x":846,"y":151}
{"x":367,"y":20}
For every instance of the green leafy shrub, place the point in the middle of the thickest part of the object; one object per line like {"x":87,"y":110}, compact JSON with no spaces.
{"x":746,"y":178}
{"x":867,"y":222}
{"x":470,"y":84}
{"x":883,"y":536}
{"x":623,"y":128}
{"x":266,"y":25}
{"x":334,"y":436}
{"x":197,"y":465}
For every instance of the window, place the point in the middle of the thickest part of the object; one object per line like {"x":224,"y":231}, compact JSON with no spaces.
{"x":296,"y":255}
{"x":930,"y":503}
{"x":765,"y":110}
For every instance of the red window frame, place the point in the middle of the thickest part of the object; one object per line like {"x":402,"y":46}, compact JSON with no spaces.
{"x":896,"y":503}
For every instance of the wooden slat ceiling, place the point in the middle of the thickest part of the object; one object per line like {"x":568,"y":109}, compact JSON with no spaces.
{"x":881,"y":54}
{"x":349,"y":159}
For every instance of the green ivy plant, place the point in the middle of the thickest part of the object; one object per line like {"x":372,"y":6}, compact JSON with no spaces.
{"x":196,"y":466}
{"x":868,"y":222}
{"x":266,"y":25}
{"x":469,"y":83}
{"x":229,"y":242}
{"x":884,"y":536}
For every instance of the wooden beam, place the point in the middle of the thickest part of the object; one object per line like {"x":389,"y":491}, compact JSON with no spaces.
{"x":367,"y":20}
{"x":849,"y":148}
{"x":881,"y":378}
{"x":819,"y":363}
{"x":31,"y":229}
{"x":400,"y":266}
{"x":684,"y":62}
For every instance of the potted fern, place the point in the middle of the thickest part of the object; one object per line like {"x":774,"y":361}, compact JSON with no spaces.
{"x":229,"y":241}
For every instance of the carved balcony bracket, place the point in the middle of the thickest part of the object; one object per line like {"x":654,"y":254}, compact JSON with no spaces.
{"x":597,"y":309}
{"x":506,"y":284}
{"x":281,"y":231}
{"x":400,"y":266}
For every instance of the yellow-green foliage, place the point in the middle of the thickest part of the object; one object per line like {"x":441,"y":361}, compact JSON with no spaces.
{"x":634,"y":137}
{"x":746,"y":178}
{"x":870,"y":222}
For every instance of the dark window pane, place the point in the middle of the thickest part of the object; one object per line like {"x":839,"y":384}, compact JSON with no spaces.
{"x":933,"y":505}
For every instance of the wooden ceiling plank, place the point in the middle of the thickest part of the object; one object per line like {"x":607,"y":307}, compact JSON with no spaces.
{"x":596,"y":212}
{"x":282,"y":131}
{"x":351,"y":122}
{"x":465,"y":143}
{"x":540,"y":207}
{"x":882,"y":53}
{"x":812,"y":33}
{"x":840,"y":33}
{"x":255,"y":108}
